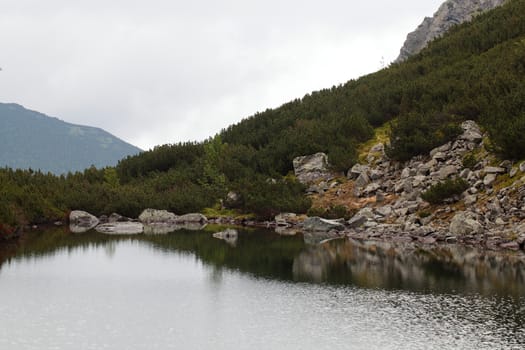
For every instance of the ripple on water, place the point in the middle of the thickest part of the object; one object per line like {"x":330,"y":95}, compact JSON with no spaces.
{"x":136,"y":298}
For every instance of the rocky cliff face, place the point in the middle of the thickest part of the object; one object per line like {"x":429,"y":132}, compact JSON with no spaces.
{"x":450,"y":13}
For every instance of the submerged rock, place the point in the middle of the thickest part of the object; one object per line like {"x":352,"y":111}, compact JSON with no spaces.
{"x":230,"y":236}
{"x":121,"y":228}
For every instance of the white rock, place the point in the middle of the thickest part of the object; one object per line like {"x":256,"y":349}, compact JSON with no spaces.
{"x":465,"y":223}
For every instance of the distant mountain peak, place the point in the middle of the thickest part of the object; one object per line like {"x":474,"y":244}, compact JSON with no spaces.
{"x":30,"y":139}
{"x":450,"y":13}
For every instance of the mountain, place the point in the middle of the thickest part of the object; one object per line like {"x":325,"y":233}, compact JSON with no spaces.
{"x":34,"y":140}
{"x":450,"y":13}
{"x":475,"y":72}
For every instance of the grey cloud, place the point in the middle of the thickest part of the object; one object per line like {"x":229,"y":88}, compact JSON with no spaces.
{"x":161,"y":71}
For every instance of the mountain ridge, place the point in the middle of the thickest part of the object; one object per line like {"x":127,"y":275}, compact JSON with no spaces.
{"x":449,"y":14}
{"x":31,"y":139}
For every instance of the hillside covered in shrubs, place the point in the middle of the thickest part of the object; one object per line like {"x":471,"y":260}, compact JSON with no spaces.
{"x":475,"y":72}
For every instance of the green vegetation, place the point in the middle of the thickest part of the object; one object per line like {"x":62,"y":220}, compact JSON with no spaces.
{"x":334,"y":212}
{"x":444,"y":190}
{"x":476,"y":71}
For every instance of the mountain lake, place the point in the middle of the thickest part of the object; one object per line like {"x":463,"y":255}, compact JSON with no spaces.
{"x":189,"y":290}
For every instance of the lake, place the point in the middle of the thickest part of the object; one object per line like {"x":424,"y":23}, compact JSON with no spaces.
{"x":188,"y":290}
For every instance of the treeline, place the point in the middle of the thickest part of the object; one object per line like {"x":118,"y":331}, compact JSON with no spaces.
{"x":476,"y":71}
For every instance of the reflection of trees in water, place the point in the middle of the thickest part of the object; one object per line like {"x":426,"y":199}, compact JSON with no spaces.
{"x":402,"y":266}
{"x":110,"y":249}
{"x":263,"y":254}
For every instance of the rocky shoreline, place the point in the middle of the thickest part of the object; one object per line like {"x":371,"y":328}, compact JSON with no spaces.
{"x":386,"y":198}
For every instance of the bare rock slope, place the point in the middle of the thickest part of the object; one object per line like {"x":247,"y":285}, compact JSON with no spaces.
{"x":450,"y":13}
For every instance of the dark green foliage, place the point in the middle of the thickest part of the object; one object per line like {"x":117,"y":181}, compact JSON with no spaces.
{"x":444,"y":190}
{"x":414,"y":134}
{"x":477,"y":71}
{"x":334,"y":212}
{"x":470,"y":161}
{"x":268,"y":197}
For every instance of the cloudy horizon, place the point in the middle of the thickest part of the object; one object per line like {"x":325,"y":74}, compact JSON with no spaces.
{"x":164,"y":71}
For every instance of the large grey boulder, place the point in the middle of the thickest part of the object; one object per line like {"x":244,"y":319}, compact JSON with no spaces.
{"x":357,"y":170}
{"x":471,"y":131}
{"x":121,"y":228}
{"x":489,"y":179}
{"x":494,"y":170}
{"x":450,"y":13}
{"x":81,"y":221}
{"x":192,"y":217}
{"x":465,"y":223}
{"x":447,"y":171}
{"x":309,"y":169}
{"x":317,"y":224}
{"x":154,"y":215}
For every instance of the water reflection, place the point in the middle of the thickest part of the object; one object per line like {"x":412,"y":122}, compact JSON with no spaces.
{"x":441,"y":269}
{"x":386,"y":265}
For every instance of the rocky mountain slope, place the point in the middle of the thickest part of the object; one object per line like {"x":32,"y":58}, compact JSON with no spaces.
{"x":34,"y":140}
{"x":450,"y":13}
{"x":388,"y":196}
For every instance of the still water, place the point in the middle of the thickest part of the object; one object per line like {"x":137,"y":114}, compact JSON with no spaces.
{"x":188,"y":290}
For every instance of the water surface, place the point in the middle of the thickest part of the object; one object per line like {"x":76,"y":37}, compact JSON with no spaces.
{"x":187,"y":290}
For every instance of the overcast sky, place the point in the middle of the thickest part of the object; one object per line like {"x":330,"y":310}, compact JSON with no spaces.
{"x":163,"y":71}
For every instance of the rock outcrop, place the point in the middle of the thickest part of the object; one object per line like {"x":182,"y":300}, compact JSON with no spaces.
{"x":312,"y":168}
{"x":191,"y":218}
{"x":387,"y":197}
{"x":450,"y":13}
{"x":81,"y":221}
{"x":156,"y":216}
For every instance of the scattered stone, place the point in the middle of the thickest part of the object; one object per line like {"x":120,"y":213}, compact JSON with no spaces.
{"x":465,"y":223}
{"x":494,"y":170}
{"x":471,"y":132}
{"x":447,"y":171}
{"x":317,"y":224}
{"x":522,"y":167}
{"x":470,"y":200}
{"x":357,"y":170}
{"x":114,"y":217}
{"x":81,"y":221}
{"x":157,"y":216}
{"x":384,"y":211}
{"x":377,"y":148}
{"x":285,"y":219}
{"x":362,"y":180}
{"x":499,"y":222}
{"x":451,"y":239}
{"x":440,"y":156}
{"x":489,"y":179}
{"x":510,"y":245}
{"x":193,"y":217}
